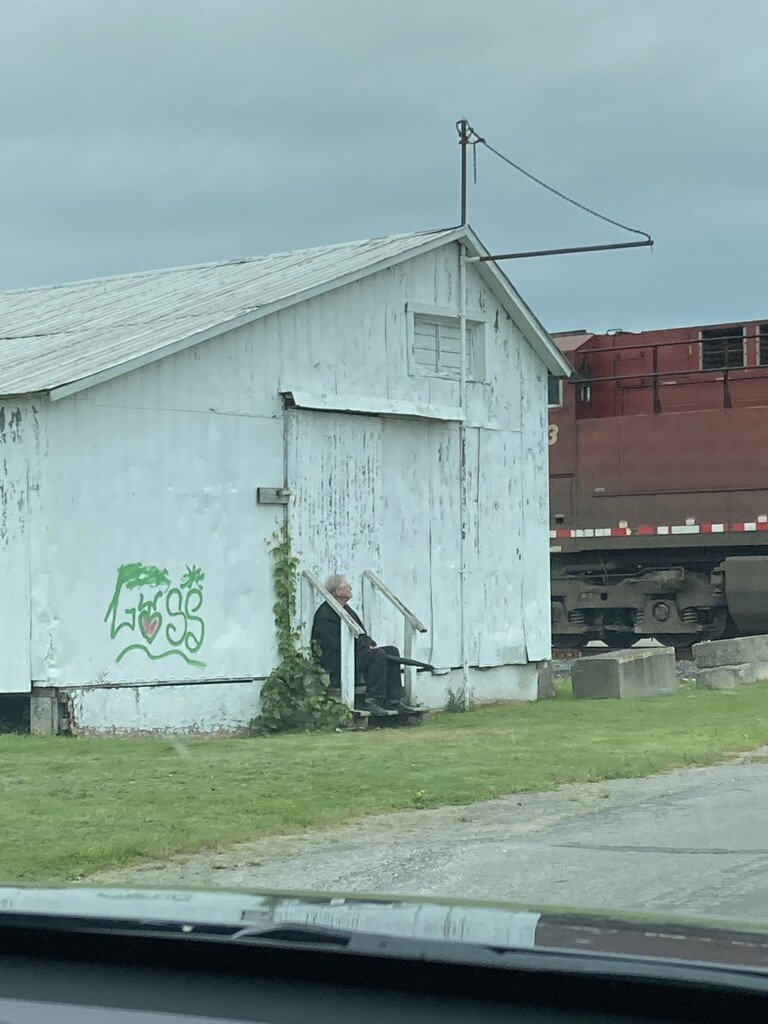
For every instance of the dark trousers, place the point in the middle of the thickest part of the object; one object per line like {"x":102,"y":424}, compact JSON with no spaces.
{"x":383,"y":681}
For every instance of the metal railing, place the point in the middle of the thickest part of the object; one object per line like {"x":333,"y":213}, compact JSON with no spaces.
{"x":750,"y":364}
{"x":348,"y":637}
{"x":411,"y":625}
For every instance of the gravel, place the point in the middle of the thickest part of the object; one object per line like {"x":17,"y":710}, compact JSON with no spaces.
{"x":692,"y":841}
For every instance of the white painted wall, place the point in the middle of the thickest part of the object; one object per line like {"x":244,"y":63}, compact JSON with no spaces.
{"x":169,"y":490}
{"x":18,"y":430}
{"x":361,"y":349}
{"x":160,"y":467}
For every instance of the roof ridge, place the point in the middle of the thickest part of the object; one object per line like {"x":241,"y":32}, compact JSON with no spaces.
{"x":235,"y":261}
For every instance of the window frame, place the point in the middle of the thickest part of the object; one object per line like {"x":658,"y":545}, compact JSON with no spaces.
{"x":559,"y":403}
{"x":724,"y":365}
{"x":477,"y":322}
{"x":762,"y":344}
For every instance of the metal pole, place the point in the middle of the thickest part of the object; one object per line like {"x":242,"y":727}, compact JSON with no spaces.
{"x":463,"y":469}
{"x":463,"y":130}
{"x":656,"y":391}
{"x":560,"y":252}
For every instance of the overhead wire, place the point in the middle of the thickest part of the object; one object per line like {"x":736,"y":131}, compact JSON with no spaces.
{"x":478,"y":140}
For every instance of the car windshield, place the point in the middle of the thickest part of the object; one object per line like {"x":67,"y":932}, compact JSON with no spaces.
{"x":383,"y":501}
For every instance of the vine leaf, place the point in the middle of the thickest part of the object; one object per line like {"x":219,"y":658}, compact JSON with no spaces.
{"x":294,"y":697}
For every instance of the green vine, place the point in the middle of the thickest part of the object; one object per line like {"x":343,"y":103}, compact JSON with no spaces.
{"x":294,"y":697}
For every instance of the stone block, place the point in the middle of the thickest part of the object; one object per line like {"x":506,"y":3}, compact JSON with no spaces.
{"x":741,"y":650}
{"x":729,"y":677}
{"x":639,"y":672}
{"x":545,"y":681}
{"x":47,"y":712}
{"x":43,"y":714}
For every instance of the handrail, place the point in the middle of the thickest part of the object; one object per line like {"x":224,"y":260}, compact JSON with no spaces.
{"x":354,"y":627}
{"x":407,"y":614}
{"x":410,"y":625}
{"x":348,"y":637}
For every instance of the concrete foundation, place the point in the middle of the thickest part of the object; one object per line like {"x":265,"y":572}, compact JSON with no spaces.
{"x":486,"y":685}
{"x":216,"y":709}
{"x":47,"y":712}
{"x":727,"y":664}
{"x":640,"y":672}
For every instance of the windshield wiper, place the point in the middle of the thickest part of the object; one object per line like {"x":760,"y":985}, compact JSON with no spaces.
{"x":299,"y":933}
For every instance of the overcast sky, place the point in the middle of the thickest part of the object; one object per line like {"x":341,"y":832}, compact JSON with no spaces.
{"x":149,"y":133}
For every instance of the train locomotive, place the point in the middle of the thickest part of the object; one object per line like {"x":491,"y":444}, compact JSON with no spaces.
{"x":658,"y":448}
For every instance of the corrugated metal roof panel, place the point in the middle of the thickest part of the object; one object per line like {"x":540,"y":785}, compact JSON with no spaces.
{"x":53,"y":336}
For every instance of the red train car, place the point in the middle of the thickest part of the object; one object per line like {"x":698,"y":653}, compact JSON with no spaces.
{"x":659,"y":485}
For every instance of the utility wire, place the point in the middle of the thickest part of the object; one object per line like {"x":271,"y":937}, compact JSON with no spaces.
{"x":478,"y":140}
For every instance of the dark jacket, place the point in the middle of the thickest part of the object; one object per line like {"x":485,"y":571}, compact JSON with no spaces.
{"x":326,"y":633}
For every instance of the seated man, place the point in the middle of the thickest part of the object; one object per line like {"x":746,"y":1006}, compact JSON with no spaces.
{"x":383,"y":683}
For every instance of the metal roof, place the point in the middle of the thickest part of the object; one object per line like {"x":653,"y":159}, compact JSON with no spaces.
{"x":571,"y":342}
{"x":69,"y":336}
{"x":53,"y":336}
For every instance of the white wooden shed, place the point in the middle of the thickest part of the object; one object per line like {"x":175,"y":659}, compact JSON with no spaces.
{"x":141,"y":414}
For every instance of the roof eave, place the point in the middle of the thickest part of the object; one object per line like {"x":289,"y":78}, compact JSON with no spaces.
{"x":522,"y":315}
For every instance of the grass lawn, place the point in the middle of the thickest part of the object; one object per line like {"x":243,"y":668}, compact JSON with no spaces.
{"x":69,"y":807}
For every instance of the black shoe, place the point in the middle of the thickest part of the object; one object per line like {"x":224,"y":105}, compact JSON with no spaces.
{"x":376,"y":709}
{"x":399,"y":706}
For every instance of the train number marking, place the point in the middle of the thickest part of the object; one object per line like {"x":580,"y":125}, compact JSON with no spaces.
{"x":553,"y":434}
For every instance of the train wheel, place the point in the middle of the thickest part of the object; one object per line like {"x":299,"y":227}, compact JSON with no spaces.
{"x":568,"y":643}
{"x":680,"y":641}
{"x":619,"y":641}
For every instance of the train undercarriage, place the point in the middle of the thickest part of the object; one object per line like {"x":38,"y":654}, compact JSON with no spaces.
{"x":678,"y":597}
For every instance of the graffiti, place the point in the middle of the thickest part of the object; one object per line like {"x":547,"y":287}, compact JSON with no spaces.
{"x":162,"y":620}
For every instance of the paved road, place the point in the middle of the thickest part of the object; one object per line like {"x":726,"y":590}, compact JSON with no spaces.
{"x":689,"y":842}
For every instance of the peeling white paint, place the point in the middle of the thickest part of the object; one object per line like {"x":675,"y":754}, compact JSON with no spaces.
{"x":14,"y":592}
{"x":212,"y":709}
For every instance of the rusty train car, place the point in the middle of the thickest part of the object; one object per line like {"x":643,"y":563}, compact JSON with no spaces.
{"x":658,"y":450}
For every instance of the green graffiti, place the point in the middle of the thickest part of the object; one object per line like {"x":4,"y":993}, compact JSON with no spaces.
{"x":170,"y":613}
{"x":157,"y":657}
{"x":133,"y":576}
{"x":192,"y":577}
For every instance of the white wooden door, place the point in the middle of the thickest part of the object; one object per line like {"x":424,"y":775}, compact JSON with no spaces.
{"x":333,"y":469}
{"x":420,"y":546}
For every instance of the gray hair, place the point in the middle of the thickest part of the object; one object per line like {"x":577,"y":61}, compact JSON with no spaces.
{"x":333,"y":582}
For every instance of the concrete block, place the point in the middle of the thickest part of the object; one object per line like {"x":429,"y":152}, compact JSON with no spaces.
{"x":729,"y":677}
{"x":43,"y":713}
{"x":741,"y":650}
{"x":639,"y":672}
{"x":545,"y":681}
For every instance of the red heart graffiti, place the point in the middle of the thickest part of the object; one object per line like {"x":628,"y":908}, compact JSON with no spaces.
{"x":149,"y":625}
